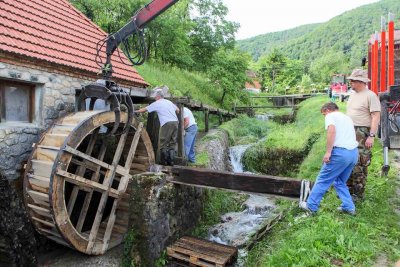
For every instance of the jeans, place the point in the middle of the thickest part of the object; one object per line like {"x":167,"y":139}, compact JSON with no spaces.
{"x":336,"y":171}
{"x":190,"y":139}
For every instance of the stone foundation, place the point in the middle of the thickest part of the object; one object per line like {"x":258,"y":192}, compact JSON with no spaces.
{"x":160,"y":214}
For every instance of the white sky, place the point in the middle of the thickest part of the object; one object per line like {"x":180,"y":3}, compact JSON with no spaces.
{"x":262,"y":16}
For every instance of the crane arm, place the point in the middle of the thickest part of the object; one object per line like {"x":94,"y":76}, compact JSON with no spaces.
{"x":108,"y":90}
{"x":137,"y":23}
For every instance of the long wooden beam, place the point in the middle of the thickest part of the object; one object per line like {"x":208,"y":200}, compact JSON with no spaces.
{"x":250,"y":183}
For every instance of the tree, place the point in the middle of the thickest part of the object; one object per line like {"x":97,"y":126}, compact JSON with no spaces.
{"x":228,"y":72}
{"x":211,"y":31}
{"x":271,"y":67}
{"x":322,"y":68}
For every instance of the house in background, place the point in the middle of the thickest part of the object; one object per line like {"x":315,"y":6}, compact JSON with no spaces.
{"x":254,"y":86}
{"x":47,"y":52}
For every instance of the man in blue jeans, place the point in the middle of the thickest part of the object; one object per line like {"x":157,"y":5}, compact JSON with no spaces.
{"x":190,"y":134}
{"x":340,"y":157}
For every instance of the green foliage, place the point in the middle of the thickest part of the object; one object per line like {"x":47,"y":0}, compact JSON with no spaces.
{"x":265,"y":43}
{"x":331,"y":238}
{"x":181,"y":82}
{"x":228,"y":72}
{"x":278,"y":72}
{"x":336,"y":46}
{"x":287,"y":145}
{"x":129,"y":242}
{"x":187,"y":35}
{"x":322,"y":68}
{"x":162,"y":260}
{"x":211,"y":31}
{"x":244,"y":130}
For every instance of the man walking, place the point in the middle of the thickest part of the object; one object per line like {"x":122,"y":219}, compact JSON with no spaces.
{"x":190,"y":134}
{"x":340,"y":157}
{"x":166,"y":111}
{"x":363,"y":108}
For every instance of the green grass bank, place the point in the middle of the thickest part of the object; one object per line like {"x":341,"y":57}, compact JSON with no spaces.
{"x":329,"y":238}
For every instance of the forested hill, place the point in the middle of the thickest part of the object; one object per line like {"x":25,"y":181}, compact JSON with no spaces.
{"x":347,"y":33}
{"x":264,"y":43}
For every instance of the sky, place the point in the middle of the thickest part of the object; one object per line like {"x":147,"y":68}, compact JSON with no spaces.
{"x":262,"y":16}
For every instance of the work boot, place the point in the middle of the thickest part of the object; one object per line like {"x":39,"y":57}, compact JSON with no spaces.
{"x":171,"y":157}
{"x":164,"y":156}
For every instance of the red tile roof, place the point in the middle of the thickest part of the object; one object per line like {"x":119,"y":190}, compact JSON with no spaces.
{"x":54,"y":31}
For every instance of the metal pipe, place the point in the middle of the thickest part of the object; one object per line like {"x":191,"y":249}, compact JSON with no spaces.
{"x":376,"y":64}
{"x":383,"y":85}
{"x":391,"y":51}
{"x":372,"y":83}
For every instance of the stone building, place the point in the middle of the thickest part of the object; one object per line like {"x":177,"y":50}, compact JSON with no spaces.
{"x":47,"y":52}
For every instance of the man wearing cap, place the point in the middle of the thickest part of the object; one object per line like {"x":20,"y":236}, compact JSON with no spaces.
{"x":166,"y":111}
{"x":363,"y":108}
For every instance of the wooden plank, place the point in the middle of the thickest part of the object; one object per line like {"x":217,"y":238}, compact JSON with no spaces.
{"x":86,"y":183}
{"x":50,"y":232}
{"x":187,"y":252}
{"x":121,"y":187}
{"x":38,"y":197}
{"x":62,"y":129}
{"x":200,"y":252}
{"x":40,"y":210}
{"x":81,"y":171}
{"x":54,"y":140}
{"x":264,"y":184}
{"x":216,"y":246}
{"x":47,"y":223}
{"x":108,"y":179}
{"x":119,"y":169}
{"x":42,"y":168}
{"x":134,"y":144}
{"x":88,"y":197}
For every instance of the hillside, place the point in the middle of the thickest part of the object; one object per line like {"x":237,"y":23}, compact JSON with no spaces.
{"x":347,"y":33}
{"x":264,"y":43}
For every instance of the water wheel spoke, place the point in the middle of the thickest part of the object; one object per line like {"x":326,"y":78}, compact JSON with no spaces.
{"x":133,"y":147}
{"x":81,"y":171}
{"x":73,"y":151}
{"x":88,"y":197}
{"x":107,"y":181}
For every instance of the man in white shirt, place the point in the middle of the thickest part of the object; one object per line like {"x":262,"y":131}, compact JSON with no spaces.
{"x":166,"y":111}
{"x":339,"y":160}
{"x":190,"y":134}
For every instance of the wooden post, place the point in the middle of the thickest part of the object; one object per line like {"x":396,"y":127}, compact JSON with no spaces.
{"x":181,"y":131}
{"x":206,"y":113}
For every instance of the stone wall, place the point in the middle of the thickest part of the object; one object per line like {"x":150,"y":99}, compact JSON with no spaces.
{"x":160,"y":213}
{"x":54,"y":98}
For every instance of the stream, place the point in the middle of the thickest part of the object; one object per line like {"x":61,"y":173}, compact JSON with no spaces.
{"x":237,"y":228}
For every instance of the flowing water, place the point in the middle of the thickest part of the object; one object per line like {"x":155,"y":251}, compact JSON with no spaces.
{"x":237,"y":228}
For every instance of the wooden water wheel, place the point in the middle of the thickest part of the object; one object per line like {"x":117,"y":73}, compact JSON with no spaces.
{"x":76,"y":180}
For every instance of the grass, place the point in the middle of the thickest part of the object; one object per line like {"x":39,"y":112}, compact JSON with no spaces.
{"x":285,"y":146}
{"x":181,"y":82}
{"x":244,"y":130}
{"x":331,"y":238}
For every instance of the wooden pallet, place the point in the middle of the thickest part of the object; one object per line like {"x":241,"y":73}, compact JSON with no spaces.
{"x":200,"y":252}
{"x":76,"y":180}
